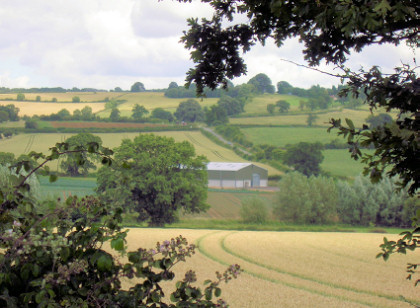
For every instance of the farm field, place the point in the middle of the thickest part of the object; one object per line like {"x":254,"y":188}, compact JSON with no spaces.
{"x":259,"y":103}
{"x":24,"y":143}
{"x":339,"y":163}
{"x":152,"y":100}
{"x":357,"y":116}
{"x":281,"y":136}
{"x":40,"y":108}
{"x":293,"y":269}
{"x":66,"y":96}
{"x":76,"y":124}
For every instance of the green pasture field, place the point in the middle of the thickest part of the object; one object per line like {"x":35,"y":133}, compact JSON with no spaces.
{"x":67,"y":186}
{"x":281,"y":136}
{"x":25,"y":143}
{"x":292,"y":269}
{"x":339,"y":163}
{"x":13,"y":124}
{"x":357,"y":116}
{"x":152,"y":100}
{"x":259,"y":103}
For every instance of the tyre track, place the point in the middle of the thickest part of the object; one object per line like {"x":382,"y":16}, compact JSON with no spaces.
{"x":296,"y":281}
{"x":194,"y":141}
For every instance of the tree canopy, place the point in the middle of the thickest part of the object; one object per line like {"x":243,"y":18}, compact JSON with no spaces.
{"x":138,"y":112}
{"x":262,"y":83}
{"x":138,"y":87}
{"x":160,"y":113}
{"x":189,"y":111}
{"x":305,"y":157}
{"x":79,"y":163}
{"x":164,"y":177}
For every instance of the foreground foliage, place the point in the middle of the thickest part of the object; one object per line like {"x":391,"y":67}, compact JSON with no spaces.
{"x":52,"y":252}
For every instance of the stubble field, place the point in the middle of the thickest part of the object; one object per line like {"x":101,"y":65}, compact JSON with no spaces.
{"x":293,"y":269}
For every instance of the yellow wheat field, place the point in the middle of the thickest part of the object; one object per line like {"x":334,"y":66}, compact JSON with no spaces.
{"x":40,"y":108}
{"x":152,"y":100}
{"x":293,"y":269}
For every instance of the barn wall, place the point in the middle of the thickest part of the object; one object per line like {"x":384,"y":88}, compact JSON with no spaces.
{"x":237,"y":179}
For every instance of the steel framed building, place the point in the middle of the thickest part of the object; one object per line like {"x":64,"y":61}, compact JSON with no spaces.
{"x":236,"y":175}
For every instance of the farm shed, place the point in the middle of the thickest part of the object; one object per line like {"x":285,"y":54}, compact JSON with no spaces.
{"x":236,"y":175}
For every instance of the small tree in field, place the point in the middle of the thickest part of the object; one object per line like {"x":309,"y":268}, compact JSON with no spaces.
{"x":311,"y":119}
{"x":270,"y":108}
{"x":283,"y":106}
{"x":254,"y":210}
{"x":20,"y":97}
{"x":304,"y":157}
{"x":75,"y":99}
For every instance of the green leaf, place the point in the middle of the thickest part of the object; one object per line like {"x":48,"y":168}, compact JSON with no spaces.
{"x":350,"y":123}
{"x":217,"y":292}
{"x":117,"y":244}
{"x":53,"y":178}
{"x":104,"y":263}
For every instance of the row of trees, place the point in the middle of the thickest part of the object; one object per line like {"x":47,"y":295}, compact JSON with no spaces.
{"x":319,"y":200}
{"x":9,"y":113}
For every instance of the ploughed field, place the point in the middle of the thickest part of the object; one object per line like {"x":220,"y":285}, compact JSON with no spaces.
{"x":293,"y":269}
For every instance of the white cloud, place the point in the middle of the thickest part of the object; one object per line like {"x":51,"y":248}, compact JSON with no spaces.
{"x":108,"y":43}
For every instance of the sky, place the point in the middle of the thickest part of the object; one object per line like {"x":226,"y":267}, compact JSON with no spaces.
{"x":105,"y":44}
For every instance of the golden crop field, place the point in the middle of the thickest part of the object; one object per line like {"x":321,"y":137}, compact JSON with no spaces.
{"x":24,"y":143}
{"x":293,"y":269}
{"x":152,"y":100}
{"x":66,"y":96}
{"x":40,"y":108}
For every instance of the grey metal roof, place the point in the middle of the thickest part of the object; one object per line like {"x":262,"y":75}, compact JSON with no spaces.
{"x":216,"y":166}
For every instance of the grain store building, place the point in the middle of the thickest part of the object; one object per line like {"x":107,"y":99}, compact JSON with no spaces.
{"x":236,"y":175}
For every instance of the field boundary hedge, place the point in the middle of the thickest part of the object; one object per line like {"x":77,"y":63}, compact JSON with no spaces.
{"x":108,"y":130}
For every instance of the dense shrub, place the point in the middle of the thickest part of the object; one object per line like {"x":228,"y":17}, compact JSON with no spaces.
{"x":254,"y":210}
{"x":306,"y":200}
{"x":364,"y":203}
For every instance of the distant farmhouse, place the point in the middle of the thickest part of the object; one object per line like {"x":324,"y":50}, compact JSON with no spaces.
{"x":236,"y":175}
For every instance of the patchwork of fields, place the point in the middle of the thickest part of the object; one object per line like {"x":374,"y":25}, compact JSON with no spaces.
{"x":24,"y":143}
{"x":293,"y":269}
{"x":323,"y":118}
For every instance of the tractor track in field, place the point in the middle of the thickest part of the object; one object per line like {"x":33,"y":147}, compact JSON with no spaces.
{"x":216,"y":153}
{"x":294,"y":280}
{"x":29,"y":144}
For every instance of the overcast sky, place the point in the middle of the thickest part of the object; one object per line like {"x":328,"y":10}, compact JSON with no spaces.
{"x":109,"y":43}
